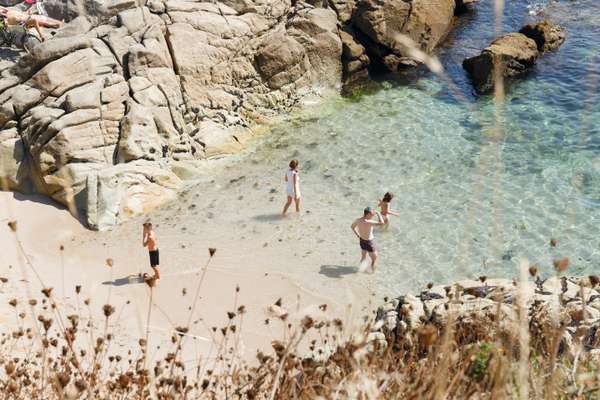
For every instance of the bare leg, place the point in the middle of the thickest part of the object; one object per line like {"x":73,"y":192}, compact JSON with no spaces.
{"x":363,"y":255}
{"x":156,"y":272}
{"x":297,"y":200}
{"x":288,"y":203}
{"x":373,"y":256}
{"x":33,"y":23}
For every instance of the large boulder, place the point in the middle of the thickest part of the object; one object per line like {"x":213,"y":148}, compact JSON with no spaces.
{"x":123,"y":191}
{"x":281,"y":62}
{"x":393,"y":28}
{"x":547,"y":36}
{"x":508,"y":56}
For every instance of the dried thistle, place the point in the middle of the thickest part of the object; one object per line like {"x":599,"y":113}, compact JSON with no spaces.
{"x":211,"y":251}
{"x":561,"y":265}
{"x":428,"y":335}
{"x":13,"y":302}
{"x":108,"y":310}
{"x":47,"y":292}
{"x":307,"y":323}
{"x":9,"y":368}
{"x":12,"y":225}
{"x":230,"y":315}
{"x":533,"y":270}
{"x":3,"y":279}
{"x":553,"y":242}
{"x":77,"y":289}
{"x":150,"y":281}
{"x":110,"y":262}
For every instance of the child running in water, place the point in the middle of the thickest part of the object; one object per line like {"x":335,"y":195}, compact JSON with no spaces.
{"x":386,"y":210}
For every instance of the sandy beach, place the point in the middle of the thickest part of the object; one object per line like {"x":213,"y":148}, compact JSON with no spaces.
{"x":265,"y":256}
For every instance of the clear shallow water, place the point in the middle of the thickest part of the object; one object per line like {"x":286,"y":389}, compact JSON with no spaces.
{"x":471,"y":204}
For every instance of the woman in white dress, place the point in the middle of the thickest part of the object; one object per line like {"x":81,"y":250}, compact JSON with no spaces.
{"x":293,"y":186}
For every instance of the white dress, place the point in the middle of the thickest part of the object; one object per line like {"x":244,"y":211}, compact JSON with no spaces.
{"x":291,"y":191}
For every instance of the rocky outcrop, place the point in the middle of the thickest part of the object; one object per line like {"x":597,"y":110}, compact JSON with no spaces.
{"x":508,"y":56}
{"x":106,"y":114}
{"x":393,"y":29}
{"x":547,"y":36}
{"x":570,"y":305}
{"x":512,"y":54}
{"x":102,"y":116}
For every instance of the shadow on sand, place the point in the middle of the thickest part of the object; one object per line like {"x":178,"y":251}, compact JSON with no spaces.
{"x":127,"y":280}
{"x":337,"y":271}
{"x":269,"y":217}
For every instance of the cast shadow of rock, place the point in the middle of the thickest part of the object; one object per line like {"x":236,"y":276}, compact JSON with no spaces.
{"x":337,"y":271}
{"x":269,"y":217}
{"x":127,"y":280}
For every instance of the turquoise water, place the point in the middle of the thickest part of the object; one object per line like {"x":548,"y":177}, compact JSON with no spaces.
{"x":471,"y":203}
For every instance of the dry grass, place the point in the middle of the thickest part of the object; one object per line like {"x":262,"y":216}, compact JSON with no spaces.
{"x":473,"y":359}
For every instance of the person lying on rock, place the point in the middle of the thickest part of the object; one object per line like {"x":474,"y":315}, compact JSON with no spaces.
{"x":14,"y":18}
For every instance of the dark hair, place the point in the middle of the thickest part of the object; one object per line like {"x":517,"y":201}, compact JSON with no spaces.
{"x":294,"y":164}
{"x":388,"y":197}
{"x":367,"y":211}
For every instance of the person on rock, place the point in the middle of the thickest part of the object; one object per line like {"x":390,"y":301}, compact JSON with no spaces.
{"x":385,"y":206}
{"x":293,"y":186}
{"x":149,"y":241}
{"x":27,"y":22}
{"x":363,"y":229}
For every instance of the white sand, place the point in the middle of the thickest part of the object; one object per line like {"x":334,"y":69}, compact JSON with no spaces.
{"x":267,"y":257}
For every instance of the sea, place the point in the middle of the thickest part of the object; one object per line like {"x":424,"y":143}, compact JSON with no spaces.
{"x":480,"y":186}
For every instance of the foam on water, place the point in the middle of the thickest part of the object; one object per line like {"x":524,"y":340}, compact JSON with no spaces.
{"x":471,"y":203}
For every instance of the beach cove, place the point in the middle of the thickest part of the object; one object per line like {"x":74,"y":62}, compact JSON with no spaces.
{"x":471,"y":204}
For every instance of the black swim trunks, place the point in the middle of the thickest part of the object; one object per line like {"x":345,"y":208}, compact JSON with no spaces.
{"x":367,"y":245}
{"x":154,"y":258}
